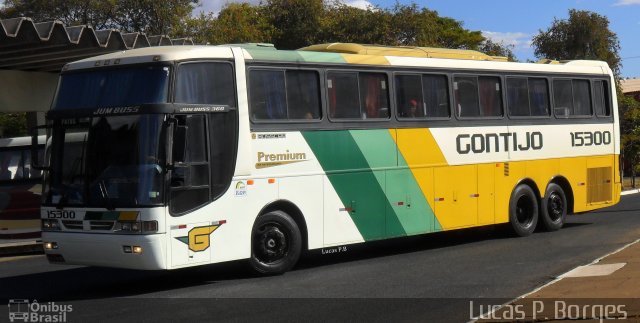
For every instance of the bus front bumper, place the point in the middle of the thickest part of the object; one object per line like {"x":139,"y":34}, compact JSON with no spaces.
{"x":106,"y":250}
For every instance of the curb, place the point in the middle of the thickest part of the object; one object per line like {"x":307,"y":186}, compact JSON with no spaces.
{"x":627,"y":192}
{"x":557,"y":278}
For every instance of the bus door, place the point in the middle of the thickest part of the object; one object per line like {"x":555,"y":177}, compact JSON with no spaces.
{"x":189,"y":189}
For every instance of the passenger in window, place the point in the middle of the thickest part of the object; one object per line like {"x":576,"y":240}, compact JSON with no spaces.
{"x":412,"y":110}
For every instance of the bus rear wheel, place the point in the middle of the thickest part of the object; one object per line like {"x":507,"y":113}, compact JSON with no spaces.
{"x":523,"y":210}
{"x":276,"y":243}
{"x":554,"y":207}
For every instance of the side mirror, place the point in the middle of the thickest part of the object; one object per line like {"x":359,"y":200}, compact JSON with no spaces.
{"x":35,"y":163}
{"x":176,"y":143}
{"x":169,"y":142}
{"x":179,"y":144}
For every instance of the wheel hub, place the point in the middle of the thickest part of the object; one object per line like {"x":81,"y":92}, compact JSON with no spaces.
{"x":271,"y":244}
{"x":524,"y":211}
{"x":556,"y":206}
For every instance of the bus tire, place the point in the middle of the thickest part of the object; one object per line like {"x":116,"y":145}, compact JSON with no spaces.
{"x":554,"y":208}
{"x":523,"y":210}
{"x":276,"y":243}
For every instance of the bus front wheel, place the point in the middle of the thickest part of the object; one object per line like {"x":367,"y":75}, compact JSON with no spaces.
{"x":276,"y":243}
{"x":523,"y":210}
{"x":554,"y":207}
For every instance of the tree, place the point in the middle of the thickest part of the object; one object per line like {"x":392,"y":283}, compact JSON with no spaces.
{"x":13,"y":124}
{"x":342,"y":23}
{"x":296,"y":22}
{"x":629,"y":110}
{"x":150,"y":16}
{"x":200,"y":28}
{"x":492,"y":48}
{"x":241,"y":23}
{"x":585,"y":35}
{"x":71,"y":12}
{"x":452,"y":34}
{"x":414,"y":26}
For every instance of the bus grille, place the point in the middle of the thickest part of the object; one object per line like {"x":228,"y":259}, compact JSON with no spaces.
{"x":101,"y":225}
{"x":72,"y":225}
{"x":598,"y":184}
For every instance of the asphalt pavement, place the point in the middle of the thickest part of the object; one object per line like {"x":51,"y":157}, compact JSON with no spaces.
{"x":451,"y":276}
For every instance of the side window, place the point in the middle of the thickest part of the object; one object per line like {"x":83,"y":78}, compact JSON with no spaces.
{"x":374,"y":96}
{"x":490,"y":96}
{"x":422,"y":96}
{"x":354,"y":95}
{"x":30,"y":172}
{"x":190,"y":176}
{"x":344,"y":101}
{"x":303,"y":94}
{"x":267,"y":95}
{"x":601,"y":98}
{"x":582,"y":97}
{"x":563,"y":98}
{"x":223,"y":137}
{"x":205,"y":83}
{"x":466,"y":96}
{"x":15,"y":164}
{"x":284,"y":95}
{"x":11,"y":165}
{"x":409,"y":96}
{"x":518,"y":96}
{"x":436,"y":96}
{"x":527,"y":97}
{"x":539,"y":96}
{"x":572,"y":98}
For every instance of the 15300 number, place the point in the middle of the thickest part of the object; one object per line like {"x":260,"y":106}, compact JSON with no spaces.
{"x":588,"y":138}
{"x":61,"y":214}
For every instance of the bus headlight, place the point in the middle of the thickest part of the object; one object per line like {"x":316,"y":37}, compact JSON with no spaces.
{"x":50,"y":225}
{"x":132,"y":249}
{"x":50,"y":245}
{"x":137,"y":226}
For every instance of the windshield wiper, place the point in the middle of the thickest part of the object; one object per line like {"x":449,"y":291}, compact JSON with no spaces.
{"x":105,"y":196}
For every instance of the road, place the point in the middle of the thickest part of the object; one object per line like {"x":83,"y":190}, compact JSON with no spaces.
{"x":426,"y":278}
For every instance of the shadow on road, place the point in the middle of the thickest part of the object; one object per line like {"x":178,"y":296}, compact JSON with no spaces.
{"x":98,"y":283}
{"x":95,"y":283}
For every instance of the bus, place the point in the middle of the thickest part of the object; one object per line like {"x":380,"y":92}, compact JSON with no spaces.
{"x":170,"y":157}
{"x":20,"y":191}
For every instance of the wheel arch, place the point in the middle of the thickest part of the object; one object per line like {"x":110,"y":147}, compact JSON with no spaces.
{"x":532,"y":184}
{"x":294,"y":212}
{"x":566,"y":187}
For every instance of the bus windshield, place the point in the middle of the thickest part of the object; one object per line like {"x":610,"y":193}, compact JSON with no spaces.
{"x":108,"y":162}
{"x":113,"y":88}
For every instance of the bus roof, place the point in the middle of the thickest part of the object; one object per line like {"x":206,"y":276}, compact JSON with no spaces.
{"x":344,"y":53}
{"x":152,"y":54}
{"x":426,"y":52}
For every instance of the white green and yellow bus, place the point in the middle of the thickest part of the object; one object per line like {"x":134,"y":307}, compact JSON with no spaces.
{"x":169,"y":157}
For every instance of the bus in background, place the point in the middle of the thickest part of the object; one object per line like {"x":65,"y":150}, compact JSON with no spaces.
{"x":170,"y":157}
{"x":20,"y":190}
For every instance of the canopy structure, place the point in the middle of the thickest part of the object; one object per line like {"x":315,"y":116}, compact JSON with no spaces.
{"x":32,"y":54}
{"x":631,"y":87}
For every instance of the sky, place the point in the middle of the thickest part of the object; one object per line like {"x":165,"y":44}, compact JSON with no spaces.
{"x":517,"y":21}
